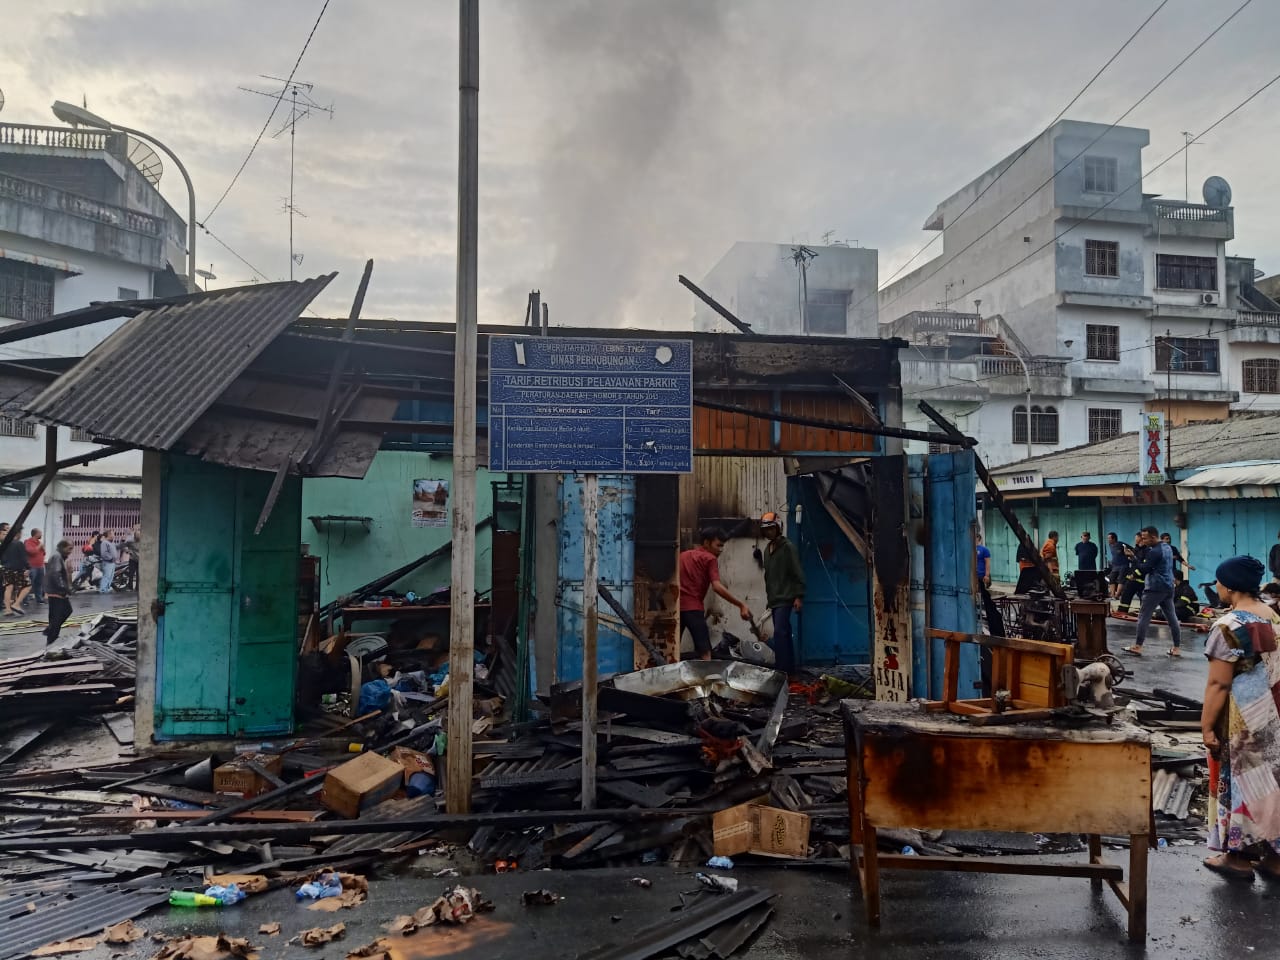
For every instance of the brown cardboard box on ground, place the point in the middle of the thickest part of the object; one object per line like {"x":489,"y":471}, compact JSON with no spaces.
{"x":760,"y":829}
{"x":234,"y":778}
{"x":360,"y":783}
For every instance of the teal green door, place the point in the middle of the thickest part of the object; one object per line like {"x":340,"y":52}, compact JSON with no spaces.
{"x":226,"y":637}
{"x":266,"y":607}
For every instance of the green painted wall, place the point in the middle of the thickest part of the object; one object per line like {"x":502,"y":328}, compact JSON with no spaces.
{"x":350,"y":557}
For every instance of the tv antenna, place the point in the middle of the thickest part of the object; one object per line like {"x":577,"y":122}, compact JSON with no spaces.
{"x":301,"y":106}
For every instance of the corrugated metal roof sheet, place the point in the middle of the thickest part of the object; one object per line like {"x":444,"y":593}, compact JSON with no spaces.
{"x":1244,"y":437}
{"x":151,"y":380}
{"x":1253,"y":480}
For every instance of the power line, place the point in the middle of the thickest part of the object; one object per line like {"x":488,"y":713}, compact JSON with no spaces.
{"x":225,"y":246}
{"x":1009,"y":166}
{"x":274,"y":107}
{"x":1053,"y":176}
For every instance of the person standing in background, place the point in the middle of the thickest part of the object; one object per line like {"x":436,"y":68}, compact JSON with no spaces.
{"x":784,"y":589}
{"x":1086,"y":554}
{"x":1049,"y":553}
{"x":1119,"y":564}
{"x":17,"y":583}
{"x":57,"y":582}
{"x":1028,"y":575}
{"x":1178,"y":559}
{"x":1273,"y":559}
{"x":1157,"y":592}
{"x":110,"y":555}
{"x":984,"y":563}
{"x":35,"y":564}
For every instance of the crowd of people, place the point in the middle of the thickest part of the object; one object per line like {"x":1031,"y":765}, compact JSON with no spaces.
{"x":1240,"y":716}
{"x":34,"y":575}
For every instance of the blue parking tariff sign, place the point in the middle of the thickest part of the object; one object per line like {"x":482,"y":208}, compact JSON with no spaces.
{"x":575,"y":405}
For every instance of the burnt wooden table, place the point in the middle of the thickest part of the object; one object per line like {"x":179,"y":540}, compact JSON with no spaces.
{"x":912,"y":769}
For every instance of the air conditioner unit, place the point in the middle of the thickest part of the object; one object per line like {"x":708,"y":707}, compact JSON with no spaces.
{"x":1209,"y":299}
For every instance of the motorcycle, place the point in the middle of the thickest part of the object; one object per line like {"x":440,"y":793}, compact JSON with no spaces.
{"x":124,"y":578}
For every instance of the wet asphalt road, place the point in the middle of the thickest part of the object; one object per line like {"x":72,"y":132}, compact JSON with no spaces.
{"x":817,"y":916}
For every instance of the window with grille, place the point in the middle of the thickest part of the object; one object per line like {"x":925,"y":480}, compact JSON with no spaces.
{"x":13,"y":427}
{"x":1261,"y":376}
{"x":935,"y":447}
{"x":1044,"y":424}
{"x":1186,"y":355}
{"x":80,"y":435}
{"x":1176,"y":272}
{"x":26,"y":291}
{"x":1102,"y":258}
{"x":1101,"y":342}
{"x":827,"y":312}
{"x":1103,"y":425}
{"x":1099,"y":175}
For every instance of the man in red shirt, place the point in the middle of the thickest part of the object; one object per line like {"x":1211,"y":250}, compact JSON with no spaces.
{"x":700,"y":570}
{"x":36,"y":560}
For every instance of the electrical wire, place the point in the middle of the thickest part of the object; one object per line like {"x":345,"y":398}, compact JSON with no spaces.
{"x":274,"y":107}
{"x":225,"y":246}
{"x":1010,"y":165}
{"x":1054,"y":175}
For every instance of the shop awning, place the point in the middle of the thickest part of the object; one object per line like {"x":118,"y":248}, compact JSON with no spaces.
{"x":1102,"y":490}
{"x":1249,"y":481}
{"x":97,"y":490}
{"x":62,"y":266}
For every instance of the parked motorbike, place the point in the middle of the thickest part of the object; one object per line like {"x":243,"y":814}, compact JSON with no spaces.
{"x":124,"y":578}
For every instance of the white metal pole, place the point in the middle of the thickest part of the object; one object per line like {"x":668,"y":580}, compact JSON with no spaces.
{"x":463,"y":581}
{"x":590,"y":609}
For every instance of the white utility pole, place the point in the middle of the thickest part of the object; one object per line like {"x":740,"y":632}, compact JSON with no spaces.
{"x":462,"y":593}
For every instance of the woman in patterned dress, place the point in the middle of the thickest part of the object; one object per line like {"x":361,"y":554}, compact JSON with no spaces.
{"x":1240,"y":722}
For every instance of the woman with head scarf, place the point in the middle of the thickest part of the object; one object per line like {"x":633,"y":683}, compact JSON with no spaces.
{"x":1240,"y":723}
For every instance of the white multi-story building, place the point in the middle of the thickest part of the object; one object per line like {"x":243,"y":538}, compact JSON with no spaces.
{"x":81,"y":220}
{"x":1059,"y":278}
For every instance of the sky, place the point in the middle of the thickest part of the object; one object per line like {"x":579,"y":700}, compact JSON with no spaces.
{"x":624,"y":142}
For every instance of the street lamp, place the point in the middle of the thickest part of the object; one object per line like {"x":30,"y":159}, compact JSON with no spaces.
{"x":78,"y":116}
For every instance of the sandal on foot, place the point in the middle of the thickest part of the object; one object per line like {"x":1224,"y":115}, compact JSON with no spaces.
{"x":1231,"y":873}
{"x":1173,"y":652}
{"x":1136,"y":651}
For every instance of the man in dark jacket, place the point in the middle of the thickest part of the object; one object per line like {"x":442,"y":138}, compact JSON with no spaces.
{"x":784,"y":589}
{"x":57,"y":587}
{"x":1157,"y":570}
{"x":1118,"y":567}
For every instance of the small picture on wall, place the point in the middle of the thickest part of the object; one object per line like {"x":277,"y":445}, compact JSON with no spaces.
{"x":430,"y":503}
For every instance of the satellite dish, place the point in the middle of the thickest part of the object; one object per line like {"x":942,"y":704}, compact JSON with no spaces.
{"x":1,"y":99}
{"x":1217,"y":192}
{"x":146,"y":160}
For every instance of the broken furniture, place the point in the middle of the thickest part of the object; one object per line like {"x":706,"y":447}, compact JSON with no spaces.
{"x":912,"y":768}
{"x":1026,"y":678}
{"x":405,"y":611}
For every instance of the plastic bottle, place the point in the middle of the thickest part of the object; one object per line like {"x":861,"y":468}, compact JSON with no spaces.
{"x":1162,"y":844}
{"x":720,"y":863}
{"x":189,"y":898}
{"x":908,"y":851}
{"x":225,"y":895}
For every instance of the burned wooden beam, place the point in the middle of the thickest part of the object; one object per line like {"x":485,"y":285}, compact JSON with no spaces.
{"x":875,"y":431}
{"x":607,"y":596}
{"x":741,"y":325}
{"x":169,"y":837}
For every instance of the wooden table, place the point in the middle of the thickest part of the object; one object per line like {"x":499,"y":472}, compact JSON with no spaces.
{"x":912,"y":769}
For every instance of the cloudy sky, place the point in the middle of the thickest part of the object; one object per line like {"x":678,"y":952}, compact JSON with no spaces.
{"x":623,"y":142}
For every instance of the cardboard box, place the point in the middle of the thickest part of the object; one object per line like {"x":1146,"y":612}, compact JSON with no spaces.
{"x":360,"y":784}
{"x":760,"y":829}
{"x":412,"y":762}
{"x":235,"y":779}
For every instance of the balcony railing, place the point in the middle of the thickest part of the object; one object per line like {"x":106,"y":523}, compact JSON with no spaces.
{"x":1012,"y":367}
{"x":1195,"y":212}
{"x":924,"y":321}
{"x":66,"y":138}
{"x":1255,"y":318}
{"x":42,"y":195}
